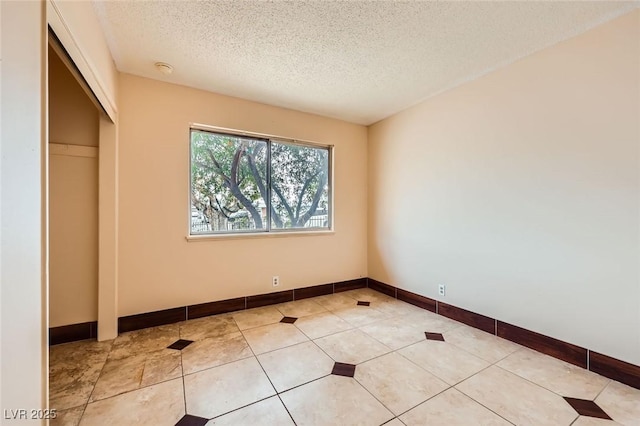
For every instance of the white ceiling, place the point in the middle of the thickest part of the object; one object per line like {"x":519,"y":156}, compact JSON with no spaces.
{"x":360,"y":61}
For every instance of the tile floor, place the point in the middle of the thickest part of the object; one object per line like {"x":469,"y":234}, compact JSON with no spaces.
{"x":326,"y":361}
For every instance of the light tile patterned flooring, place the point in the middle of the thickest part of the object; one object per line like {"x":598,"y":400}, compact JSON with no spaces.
{"x":248,"y":368}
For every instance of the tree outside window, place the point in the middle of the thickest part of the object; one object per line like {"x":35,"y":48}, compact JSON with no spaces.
{"x":245,"y":184}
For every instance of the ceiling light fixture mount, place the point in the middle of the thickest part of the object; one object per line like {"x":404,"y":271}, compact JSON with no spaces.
{"x":164,"y":68}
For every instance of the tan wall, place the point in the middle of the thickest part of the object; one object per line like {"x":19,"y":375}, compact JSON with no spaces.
{"x":23,"y":275}
{"x":158,"y":268}
{"x":73,"y":192}
{"x":520,"y":192}
{"x":73,"y":118}
{"x":78,"y":29}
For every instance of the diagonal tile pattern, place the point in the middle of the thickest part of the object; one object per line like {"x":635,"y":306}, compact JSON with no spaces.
{"x":516,"y":399}
{"x":269,"y":411}
{"x":343,"y":369}
{"x":180,"y":344}
{"x":334,"y":400}
{"x":452,"y":408}
{"x":222,"y":389}
{"x":434,"y":336}
{"x":558,"y":376}
{"x":392,"y":364}
{"x":189,"y":420}
{"x":397,"y":382}
{"x":588,"y":408}
{"x":444,"y":360}
{"x":295,"y":365}
{"x":288,"y":320}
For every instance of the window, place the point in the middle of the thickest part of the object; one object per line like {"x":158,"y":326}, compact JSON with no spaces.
{"x":245,"y":184}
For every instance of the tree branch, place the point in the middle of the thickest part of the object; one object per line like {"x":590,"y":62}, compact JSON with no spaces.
{"x":316,"y":199}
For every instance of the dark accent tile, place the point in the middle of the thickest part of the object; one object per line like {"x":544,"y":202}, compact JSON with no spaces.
{"x":548,"y":345}
{"x":189,"y":420}
{"x":363,"y":303}
{"x":269,"y":299}
{"x":151,"y":319}
{"x":73,"y":332}
{"x":434,"y":336}
{"x":585,"y":407}
{"x":289,"y":320}
{"x":621,"y":371}
{"x":342,"y":369}
{"x":467,"y":317}
{"x":215,"y":308}
{"x":180,"y":344}
{"x":382,"y":287}
{"x":349,"y":285}
{"x":314,"y":291}
{"x":416,"y":300}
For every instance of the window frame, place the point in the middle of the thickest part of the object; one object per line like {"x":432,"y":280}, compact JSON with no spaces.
{"x":268,"y":230}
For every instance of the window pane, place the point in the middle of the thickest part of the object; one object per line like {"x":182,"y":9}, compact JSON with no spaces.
{"x":299,"y":186}
{"x":228,"y":183}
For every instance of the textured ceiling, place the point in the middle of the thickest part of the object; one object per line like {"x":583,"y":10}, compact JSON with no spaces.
{"x":357,"y":61}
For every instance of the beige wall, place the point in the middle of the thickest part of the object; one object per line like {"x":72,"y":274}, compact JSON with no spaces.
{"x":520,"y":192}
{"x":23,"y":273}
{"x":73,"y":234}
{"x":73,"y":200}
{"x":78,"y":29}
{"x":73,"y":118}
{"x":158,"y":268}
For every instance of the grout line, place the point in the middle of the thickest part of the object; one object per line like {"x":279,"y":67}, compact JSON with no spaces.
{"x":99,"y":375}
{"x":184,"y":385}
{"x":395,"y":315}
{"x":475,"y":400}
{"x":240,"y":408}
{"x":270,"y":381}
{"x":532,"y":382}
{"x":286,"y":408}
{"x":604,"y":387}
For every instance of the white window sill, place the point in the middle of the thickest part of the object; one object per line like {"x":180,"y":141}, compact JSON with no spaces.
{"x":252,"y":235}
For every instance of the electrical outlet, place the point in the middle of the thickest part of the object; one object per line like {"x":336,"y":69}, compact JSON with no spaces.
{"x":441,"y":288}
{"x":275,"y":281}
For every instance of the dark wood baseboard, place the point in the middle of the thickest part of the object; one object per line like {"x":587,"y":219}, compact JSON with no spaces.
{"x":216,"y":308}
{"x":417,"y":300}
{"x":568,"y":352}
{"x":182,"y":313}
{"x":382,"y":288}
{"x":349,"y":285}
{"x":152,"y":319}
{"x":314,"y":291}
{"x":269,"y":299}
{"x":73,"y":332}
{"x":607,"y":366}
{"x":604,"y":365}
{"x":469,"y":318}
{"x":622,"y":371}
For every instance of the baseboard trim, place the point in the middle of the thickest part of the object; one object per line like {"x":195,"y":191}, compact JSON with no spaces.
{"x":615,"y":369}
{"x":73,"y":332}
{"x":469,"y":318}
{"x":568,"y":352}
{"x":182,"y":313}
{"x":152,"y":319}
{"x":607,"y":366}
{"x":604,"y":365}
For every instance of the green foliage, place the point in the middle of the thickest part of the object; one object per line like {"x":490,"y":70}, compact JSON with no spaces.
{"x":229,"y":182}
